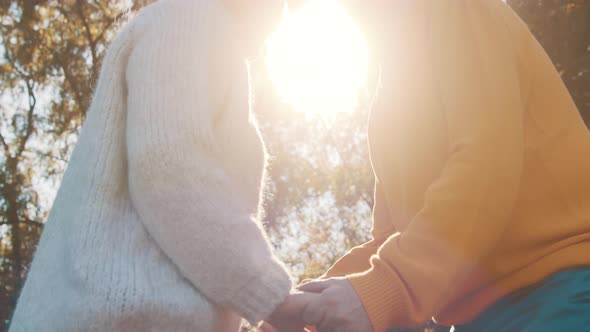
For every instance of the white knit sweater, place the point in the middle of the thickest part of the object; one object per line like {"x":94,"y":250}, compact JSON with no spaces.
{"x":153,"y":227}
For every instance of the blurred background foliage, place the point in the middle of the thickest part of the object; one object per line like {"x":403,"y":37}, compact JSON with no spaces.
{"x":321,"y":183}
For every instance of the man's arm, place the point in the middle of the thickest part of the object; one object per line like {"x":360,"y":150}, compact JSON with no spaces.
{"x":358,"y":258}
{"x":468,"y":52}
{"x":466,"y":209}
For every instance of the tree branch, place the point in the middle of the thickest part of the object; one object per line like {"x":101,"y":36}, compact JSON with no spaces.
{"x":13,"y":63}
{"x":33,"y":223}
{"x":30,"y":115}
{"x":70,"y":80}
{"x":109,"y":25}
{"x":27,"y":221}
{"x":91,"y":40}
{"x":5,"y":145}
{"x":32,"y":103}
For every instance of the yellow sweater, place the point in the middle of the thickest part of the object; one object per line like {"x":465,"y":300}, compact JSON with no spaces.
{"x":482,"y":165}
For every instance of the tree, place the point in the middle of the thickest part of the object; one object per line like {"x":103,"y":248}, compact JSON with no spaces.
{"x":563,"y":28}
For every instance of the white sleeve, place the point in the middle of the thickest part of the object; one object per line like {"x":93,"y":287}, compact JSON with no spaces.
{"x":180,"y":190}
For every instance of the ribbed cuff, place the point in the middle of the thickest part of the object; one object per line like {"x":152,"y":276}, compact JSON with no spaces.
{"x":258,"y":298}
{"x":383,"y":298}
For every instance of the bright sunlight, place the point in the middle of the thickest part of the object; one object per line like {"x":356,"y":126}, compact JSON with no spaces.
{"x":317,"y":59}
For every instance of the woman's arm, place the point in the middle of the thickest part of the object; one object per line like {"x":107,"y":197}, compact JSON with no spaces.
{"x":176,"y":87}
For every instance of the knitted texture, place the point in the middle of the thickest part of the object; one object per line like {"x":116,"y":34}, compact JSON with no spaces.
{"x":154,"y":226}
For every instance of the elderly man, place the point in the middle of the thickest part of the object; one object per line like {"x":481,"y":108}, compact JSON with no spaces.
{"x":482,"y":197}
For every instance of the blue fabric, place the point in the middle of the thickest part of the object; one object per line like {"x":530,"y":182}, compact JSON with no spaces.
{"x":559,"y":303}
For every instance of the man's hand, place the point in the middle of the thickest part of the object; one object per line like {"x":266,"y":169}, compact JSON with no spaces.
{"x":337,"y":308}
{"x":288,"y":317}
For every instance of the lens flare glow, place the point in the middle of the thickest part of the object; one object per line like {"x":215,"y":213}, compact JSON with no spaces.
{"x":318,"y":59}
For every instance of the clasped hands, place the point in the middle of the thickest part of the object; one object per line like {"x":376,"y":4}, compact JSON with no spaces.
{"x":328,"y":304}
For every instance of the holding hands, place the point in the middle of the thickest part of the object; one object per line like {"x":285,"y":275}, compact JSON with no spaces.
{"x":288,"y":317}
{"x":328,"y":304}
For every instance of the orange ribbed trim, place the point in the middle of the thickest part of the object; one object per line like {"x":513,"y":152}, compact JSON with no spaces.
{"x":381,"y":296}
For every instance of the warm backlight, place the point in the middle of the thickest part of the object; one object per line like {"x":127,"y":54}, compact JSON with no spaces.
{"x":317,"y":59}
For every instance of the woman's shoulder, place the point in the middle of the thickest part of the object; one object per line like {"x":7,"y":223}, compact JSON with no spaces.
{"x":159,"y":16}
{"x":196,"y":19}
{"x":162,"y":10}
{"x":177,"y":13}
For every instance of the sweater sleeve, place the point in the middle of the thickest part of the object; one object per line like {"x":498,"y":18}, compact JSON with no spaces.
{"x":466,"y":209}
{"x":358,"y":258}
{"x":179,"y":187}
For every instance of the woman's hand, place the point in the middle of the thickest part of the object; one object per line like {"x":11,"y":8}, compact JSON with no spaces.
{"x":288,"y":317}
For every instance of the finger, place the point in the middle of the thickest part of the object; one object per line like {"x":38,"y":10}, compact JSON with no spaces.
{"x":300,"y":300}
{"x":316,"y":286}
{"x":314,"y":312}
{"x":305,"y":281}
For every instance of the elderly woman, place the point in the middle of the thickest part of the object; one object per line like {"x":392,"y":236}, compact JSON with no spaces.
{"x":154,"y":227}
{"x":482,"y":199}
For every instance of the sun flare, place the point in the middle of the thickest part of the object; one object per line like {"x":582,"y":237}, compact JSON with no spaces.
{"x":318,"y":59}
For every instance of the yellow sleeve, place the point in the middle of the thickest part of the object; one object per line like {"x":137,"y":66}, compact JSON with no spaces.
{"x":358,"y":259}
{"x":467,"y":207}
